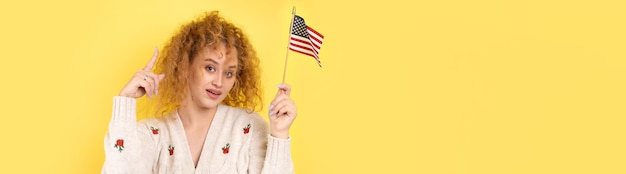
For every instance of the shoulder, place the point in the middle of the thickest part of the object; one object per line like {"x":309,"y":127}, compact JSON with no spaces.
{"x":244,"y":115}
{"x":155,"y":122}
{"x":237,"y":112}
{"x":157,"y":127}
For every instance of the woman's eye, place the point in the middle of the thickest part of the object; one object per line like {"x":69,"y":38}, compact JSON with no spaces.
{"x":210,"y":68}
{"x":229,"y":74}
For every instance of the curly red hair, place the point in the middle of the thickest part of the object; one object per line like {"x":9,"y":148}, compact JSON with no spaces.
{"x":209,"y":30}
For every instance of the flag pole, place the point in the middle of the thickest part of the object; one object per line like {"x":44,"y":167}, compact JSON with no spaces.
{"x":293,"y":14}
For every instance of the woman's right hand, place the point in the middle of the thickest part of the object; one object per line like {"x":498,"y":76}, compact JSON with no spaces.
{"x":144,"y":81}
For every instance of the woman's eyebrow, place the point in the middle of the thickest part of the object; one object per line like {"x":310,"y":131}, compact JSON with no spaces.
{"x":211,"y":60}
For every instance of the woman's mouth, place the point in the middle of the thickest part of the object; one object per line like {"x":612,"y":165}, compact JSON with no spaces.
{"x":214,"y":94}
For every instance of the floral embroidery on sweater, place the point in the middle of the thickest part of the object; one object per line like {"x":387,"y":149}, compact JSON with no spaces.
{"x":119,"y":144}
{"x":226,"y":148}
{"x":155,"y":131}
{"x":171,"y":150}
{"x":246,"y":129}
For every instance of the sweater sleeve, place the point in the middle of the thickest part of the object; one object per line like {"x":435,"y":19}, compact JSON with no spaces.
{"x":278,"y":156}
{"x":269,"y":155}
{"x":128,"y":147}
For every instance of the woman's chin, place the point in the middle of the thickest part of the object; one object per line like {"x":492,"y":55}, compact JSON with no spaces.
{"x":210,"y":103}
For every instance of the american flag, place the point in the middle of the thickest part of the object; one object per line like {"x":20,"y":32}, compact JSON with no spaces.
{"x":305,"y":39}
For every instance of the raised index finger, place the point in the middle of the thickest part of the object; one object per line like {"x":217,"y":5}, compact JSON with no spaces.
{"x":153,"y":60}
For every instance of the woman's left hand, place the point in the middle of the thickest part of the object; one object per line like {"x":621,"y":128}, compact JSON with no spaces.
{"x":282,"y":112}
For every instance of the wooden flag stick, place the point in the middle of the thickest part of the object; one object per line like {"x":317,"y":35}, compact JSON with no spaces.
{"x":293,"y":14}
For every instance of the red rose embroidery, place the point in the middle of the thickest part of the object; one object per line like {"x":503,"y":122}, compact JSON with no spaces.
{"x":119,"y":145}
{"x":155,"y":131}
{"x":171,"y":149}
{"x":246,"y":129}
{"x":226,"y":148}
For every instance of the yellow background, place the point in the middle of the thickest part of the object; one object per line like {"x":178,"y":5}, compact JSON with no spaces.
{"x":452,"y":86}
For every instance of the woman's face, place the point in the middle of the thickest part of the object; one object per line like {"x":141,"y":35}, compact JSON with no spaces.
{"x":211,"y":76}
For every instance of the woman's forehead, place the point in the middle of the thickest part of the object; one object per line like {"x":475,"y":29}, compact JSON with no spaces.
{"x":221,"y":49}
{"x":219,"y":53}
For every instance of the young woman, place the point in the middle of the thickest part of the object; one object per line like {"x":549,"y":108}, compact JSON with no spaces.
{"x":207,"y":90}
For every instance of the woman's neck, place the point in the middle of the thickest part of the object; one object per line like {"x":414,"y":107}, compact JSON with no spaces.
{"x":196,"y":117}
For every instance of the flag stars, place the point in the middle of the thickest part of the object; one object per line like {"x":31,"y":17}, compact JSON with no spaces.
{"x":299,"y":27}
